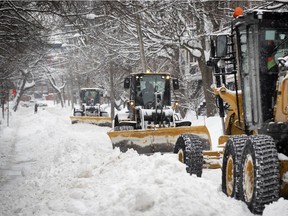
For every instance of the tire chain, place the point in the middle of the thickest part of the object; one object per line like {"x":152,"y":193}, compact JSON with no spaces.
{"x":194,"y":155}
{"x":267,"y":171}
{"x":239,"y":141}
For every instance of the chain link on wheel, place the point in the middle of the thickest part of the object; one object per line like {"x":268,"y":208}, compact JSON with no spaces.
{"x":259,"y":173}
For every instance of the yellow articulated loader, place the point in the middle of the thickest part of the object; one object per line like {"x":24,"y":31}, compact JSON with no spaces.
{"x":255,"y":54}
{"x":151,"y":124}
{"x":91,"y":110}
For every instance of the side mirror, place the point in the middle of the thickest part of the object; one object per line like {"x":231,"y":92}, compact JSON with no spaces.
{"x":175,"y":84}
{"x":82,"y":94}
{"x":127,"y":83}
{"x":221,"y":45}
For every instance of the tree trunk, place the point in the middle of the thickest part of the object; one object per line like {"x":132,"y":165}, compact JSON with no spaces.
{"x":20,"y":91}
{"x":141,"y":45}
{"x":207,"y":77}
{"x":112,"y":95}
{"x":60,"y":96}
{"x":207,"y":80}
{"x":177,"y":73}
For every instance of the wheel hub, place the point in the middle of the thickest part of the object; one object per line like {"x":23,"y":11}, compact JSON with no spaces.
{"x":248,"y":179}
{"x":230,"y":176}
{"x":181,"y":155}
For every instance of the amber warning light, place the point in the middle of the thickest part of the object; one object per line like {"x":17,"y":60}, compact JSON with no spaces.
{"x":238,"y":11}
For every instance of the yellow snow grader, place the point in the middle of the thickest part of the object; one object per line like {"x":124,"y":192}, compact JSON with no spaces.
{"x":91,"y":110}
{"x":151,"y":124}
{"x":255,"y":55}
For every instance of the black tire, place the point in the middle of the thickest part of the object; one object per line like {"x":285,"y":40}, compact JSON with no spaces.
{"x":230,"y":165}
{"x":193,"y":154}
{"x":180,"y":149}
{"x":259,"y":173}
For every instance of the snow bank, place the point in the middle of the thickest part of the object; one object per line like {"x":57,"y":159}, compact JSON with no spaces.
{"x":51,"y":167}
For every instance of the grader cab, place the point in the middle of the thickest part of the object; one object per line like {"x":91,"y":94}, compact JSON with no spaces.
{"x":254,"y":54}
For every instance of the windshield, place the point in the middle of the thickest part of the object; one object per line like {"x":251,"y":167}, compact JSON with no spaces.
{"x":275,"y":43}
{"x":90,"y":96}
{"x":150,"y":86}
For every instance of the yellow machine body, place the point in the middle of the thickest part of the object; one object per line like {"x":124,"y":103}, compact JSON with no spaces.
{"x":97,"y":120}
{"x":153,"y":140}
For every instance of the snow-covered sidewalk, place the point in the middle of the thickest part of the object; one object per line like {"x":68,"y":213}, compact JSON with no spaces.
{"x":50,"y":167}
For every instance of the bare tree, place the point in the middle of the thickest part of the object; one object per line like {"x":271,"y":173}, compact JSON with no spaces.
{"x":105,"y":41}
{"x":58,"y":88}
{"x":21,"y":42}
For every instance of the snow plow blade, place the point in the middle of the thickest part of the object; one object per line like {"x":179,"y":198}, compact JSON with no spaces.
{"x":97,"y":120}
{"x":154,"y":140}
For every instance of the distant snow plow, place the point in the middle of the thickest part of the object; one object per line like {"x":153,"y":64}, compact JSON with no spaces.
{"x":91,"y":110}
{"x":151,"y":124}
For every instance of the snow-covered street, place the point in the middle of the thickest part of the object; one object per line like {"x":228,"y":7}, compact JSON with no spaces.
{"x":50,"y":167}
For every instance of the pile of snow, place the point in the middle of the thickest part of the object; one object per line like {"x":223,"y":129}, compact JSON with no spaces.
{"x":50,"y":167}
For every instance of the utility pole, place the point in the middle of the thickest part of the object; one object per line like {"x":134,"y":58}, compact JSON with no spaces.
{"x":141,"y":45}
